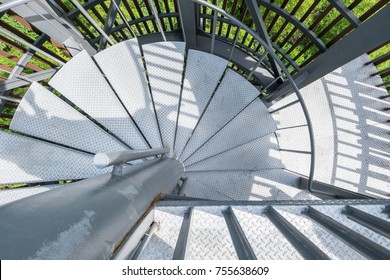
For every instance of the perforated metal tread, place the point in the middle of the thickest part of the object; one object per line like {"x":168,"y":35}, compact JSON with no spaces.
{"x":10,"y":195}
{"x":323,"y":239}
{"x":25,"y":160}
{"x":202,"y":74}
{"x":267,"y":242}
{"x":82,"y":83}
{"x":163,"y":242}
{"x":44,"y":115}
{"x":233,"y":95}
{"x":262,"y":153}
{"x":123,"y":66}
{"x":164,"y":63}
{"x":245,"y":185}
{"x":254,"y":120}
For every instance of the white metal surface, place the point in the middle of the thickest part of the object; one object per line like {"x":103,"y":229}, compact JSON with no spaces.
{"x":245,"y":185}
{"x":253,"y":122}
{"x":81,"y":82}
{"x":123,"y":66}
{"x":202,"y":74}
{"x":42,"y":114}
{"x":25,"y":160}
{"x":323,"y":239}
{"x":259,"y":154}
{"x":233,"y":95}
{"x":335,"y":212}
{"x":210,"y":237}
{"x":163,"y":242}
{"x":164,"y":63}
{"x":266,"y":240}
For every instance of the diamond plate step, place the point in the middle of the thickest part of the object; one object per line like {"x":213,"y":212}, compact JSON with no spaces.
{"x":245,"y":185}
{"x":202,"y":74}
{"x":232,"y":96}
{"x":254,"y":120}
{"x":26,"y":160}
{"x":82,"y":83}
{"x":323,"y":239}
{"x":164,"y":63}
{"x":123,"y":66}
{"x":262,"y":153}
{"x":44,"y":115}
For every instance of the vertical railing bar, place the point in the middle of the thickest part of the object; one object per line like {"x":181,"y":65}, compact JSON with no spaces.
{"x":124,"y":19}
{"x":235,"y":43}
{"x":92,"y":21}
{"x":213,"y":31}
{"x":158,"y":20}
{"x":257,"y":65}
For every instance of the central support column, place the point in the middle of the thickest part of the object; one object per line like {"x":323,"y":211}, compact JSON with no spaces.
{"x":86,"y":219}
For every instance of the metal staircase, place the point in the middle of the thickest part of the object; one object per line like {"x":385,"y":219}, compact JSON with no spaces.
{"x":242,"y":162}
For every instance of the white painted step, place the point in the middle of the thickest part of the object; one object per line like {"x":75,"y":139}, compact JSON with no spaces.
{"x":26,"y":160}
{"x":44,"y":115}
{"x":254,"y":121}
{"x":82,"y":83}
{"x":202,"y":75}
{"x":259,"y":154}
{"x":233,"y":95}
{"x":245,"y":185}
{"x":164,"y":63}
{"x":267,"y":242}
{"x":123,"y":66}
{"x":323,"y":239}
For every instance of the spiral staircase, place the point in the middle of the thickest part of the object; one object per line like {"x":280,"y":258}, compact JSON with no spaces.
{"x":242,"y":168}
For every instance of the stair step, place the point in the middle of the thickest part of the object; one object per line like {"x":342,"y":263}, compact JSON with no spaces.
{"x":254,"y":120}
{"x":202,"y":75}
{"x":42,"y":114}
{"x":164,"y":63}
{"x":261,"y":230}
{"x":262,"y":153}
{"x":232,"y":96}
{"x":123,"y":66}
{"x":265,"y":238}
{"x":83,"y":84}
{"x":26,"y":160}
{"x":161,"y":245}
{"x":245,"y":185}
{"x":210,"y":238}
{"x":323,"y":239}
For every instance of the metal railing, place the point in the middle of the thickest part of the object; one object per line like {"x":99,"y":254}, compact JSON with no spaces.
{"x":267,"y":49}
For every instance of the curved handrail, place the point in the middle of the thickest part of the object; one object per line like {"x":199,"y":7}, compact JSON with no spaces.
{"x":270,"y":51}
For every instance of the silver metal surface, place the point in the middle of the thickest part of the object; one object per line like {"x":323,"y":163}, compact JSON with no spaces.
{"x":267,"y":241}
{"x":81,"y":82}
{"x":25,"y":160}
{"x":6,"y":6}
{"x":323,"y":239}
{"x":233,"y":95}
{"x":88,"y":219}
{"x":164,"y":63}
{"x":123,"y":66}
{"x":103,"y":160}
{"x":262,"y":153}
{"x":163,"y":241}
{"x":203,"y":72}
{"x":44,"y":115}
{"x":253,"y":122}
{"x":335,"y":212}
{"x":210,"y":237}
